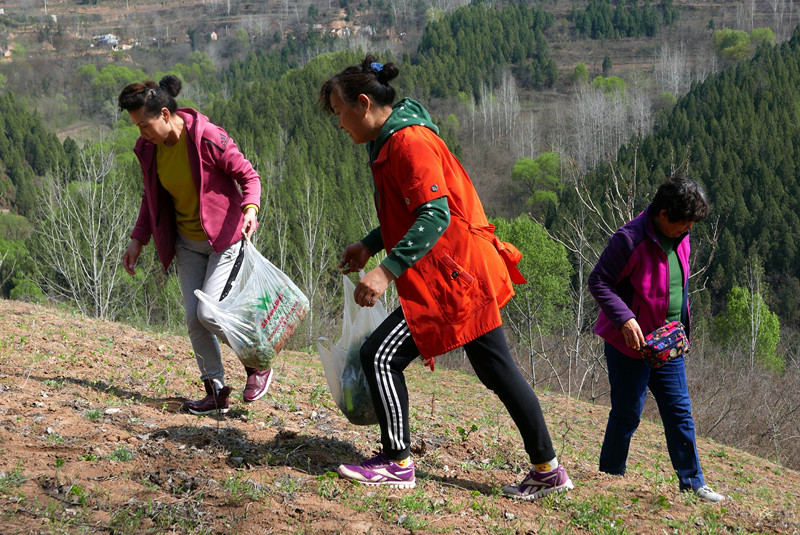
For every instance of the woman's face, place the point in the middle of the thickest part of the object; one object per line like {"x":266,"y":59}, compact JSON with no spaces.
{"x":352,"y":118}
{"x":672,"y":229}
{"x":153,"y":128}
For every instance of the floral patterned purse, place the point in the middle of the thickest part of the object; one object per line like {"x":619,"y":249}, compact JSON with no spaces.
{"x":666,"y":343}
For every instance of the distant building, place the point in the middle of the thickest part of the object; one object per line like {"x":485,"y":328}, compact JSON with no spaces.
{"x":108,"y":39}
{"x":213,"y":36}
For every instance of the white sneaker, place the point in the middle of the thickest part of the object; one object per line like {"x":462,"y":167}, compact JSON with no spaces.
{"x":706,"y":493}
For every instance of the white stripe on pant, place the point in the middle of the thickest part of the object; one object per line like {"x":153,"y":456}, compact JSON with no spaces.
{"x":391,"y":403}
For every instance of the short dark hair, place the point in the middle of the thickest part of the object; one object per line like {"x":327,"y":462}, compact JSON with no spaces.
{"x":370,"y":78}
{"x":153,"y":96}
{"x":682,"y":198}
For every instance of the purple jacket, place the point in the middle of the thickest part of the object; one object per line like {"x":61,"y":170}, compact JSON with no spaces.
{"x":217,"y":168}
{"x":631,"y":281}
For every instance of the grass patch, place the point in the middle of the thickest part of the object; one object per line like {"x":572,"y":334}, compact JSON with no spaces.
{"x":598,"y":515}
{"x":12,"y":480}
{"x":241,"y":488}
{"x":156,"y":517}
{"x":120,"y":455}
{"x":94,"y":414}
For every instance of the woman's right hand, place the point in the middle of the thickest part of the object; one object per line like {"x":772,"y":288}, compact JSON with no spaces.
{"x":354,"y":257}
{"x":132,"y":255}
{"x":634,"y":338}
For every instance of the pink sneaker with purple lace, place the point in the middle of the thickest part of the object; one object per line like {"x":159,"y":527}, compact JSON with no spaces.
{"x":539,"y":484}
{"x":379,"y":470}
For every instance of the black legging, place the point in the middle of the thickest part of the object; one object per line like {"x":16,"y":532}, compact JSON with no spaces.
{"x":390,"y":349}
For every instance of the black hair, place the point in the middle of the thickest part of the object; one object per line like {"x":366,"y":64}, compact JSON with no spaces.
{"x":682,"y":198}
{"x":370,"y":78}
{"x":152,"y":96}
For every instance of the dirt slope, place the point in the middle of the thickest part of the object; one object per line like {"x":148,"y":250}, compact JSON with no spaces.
{"x":91,"y":443}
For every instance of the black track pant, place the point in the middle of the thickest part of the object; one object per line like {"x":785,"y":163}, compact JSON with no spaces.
{"x":390,"y":349}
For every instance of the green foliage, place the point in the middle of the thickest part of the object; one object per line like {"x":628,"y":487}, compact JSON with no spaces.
{"x":539,"y":179}
{"x":15,"y":261}
{"x":748,"y":319}
{"x":580,"y":75}
{"x":26,"y":290}
{"x":27,"y":152}
{"x":667,"y":100}
{"x":14,"y":227}
{"x":544,"y":299}
{"x":19,"y":53}
{"x":607,"y":65}
{"x":433,"y":14}
{"x":762,"y":36}
{"x":609,"y":85}
{"x":731,"y":44}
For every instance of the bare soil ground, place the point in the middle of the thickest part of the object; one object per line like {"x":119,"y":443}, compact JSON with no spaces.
{"x":91,"y":441}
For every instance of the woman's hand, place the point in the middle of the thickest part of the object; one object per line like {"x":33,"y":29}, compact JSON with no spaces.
{"x":131,"y":255}
{"x":249,"y":222}
{"x":633,"y":334}
{"x":354,"y":257}
{"x":372,"y":286}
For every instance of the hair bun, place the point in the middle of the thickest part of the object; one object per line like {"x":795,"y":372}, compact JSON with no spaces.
{"x":387,"y":73}
{"x":171,"y":84}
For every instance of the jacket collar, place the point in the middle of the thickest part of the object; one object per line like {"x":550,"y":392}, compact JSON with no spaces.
{"x":407,"y":112}
{"x":195,"y":124}
{"x":650,"y":227}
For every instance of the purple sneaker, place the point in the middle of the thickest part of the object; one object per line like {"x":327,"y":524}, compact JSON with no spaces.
{"x":380,"y":471}
{"x":538,"y":484}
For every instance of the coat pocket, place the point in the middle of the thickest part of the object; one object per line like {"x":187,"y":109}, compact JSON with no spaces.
{"x":457,"y":292}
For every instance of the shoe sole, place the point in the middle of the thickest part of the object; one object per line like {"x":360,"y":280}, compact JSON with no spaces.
{"x":393,"y":484}
{"x":388,"y":483}
{"x":261,"y":395}
{"x":208,"y":413}
{"x":542,"y":493}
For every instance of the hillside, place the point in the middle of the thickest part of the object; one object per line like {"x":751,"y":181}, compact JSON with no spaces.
{"x":91,"y":442}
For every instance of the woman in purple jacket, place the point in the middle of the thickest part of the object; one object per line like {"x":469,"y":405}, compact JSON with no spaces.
{"x":201,"y":196}
{"x":640,"y":282}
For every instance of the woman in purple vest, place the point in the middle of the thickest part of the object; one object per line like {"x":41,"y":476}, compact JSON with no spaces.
{"x":640,"y":282}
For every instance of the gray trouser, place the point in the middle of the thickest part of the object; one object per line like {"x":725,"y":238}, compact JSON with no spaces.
{"x":200,"y":267}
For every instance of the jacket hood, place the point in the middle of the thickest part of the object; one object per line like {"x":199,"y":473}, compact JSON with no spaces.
{"x":407,"y":112}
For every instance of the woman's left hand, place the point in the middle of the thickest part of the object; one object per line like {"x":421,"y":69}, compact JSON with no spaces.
{"x":372,"y":286}
{"x":249,"y":222}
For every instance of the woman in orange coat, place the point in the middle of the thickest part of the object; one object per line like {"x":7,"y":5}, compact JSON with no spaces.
{"x":452,"y":275}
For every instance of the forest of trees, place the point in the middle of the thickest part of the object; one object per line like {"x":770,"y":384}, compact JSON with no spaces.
{"x":68,"y":207}
{"x":602,"y":20}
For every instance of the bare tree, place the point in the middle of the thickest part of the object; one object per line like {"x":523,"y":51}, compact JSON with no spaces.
{"x":672,"y":70}
{"x":755,"y":307}
{"x":312,"y":264}
{"x":508,"y":101}
{"x":83,"y":233}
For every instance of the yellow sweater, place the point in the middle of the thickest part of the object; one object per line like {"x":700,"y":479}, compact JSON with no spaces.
{"x":175,"y":175}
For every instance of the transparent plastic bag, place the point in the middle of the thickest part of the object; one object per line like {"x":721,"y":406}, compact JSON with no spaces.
{"x":261,"y":310}
{"x":341,"y":360}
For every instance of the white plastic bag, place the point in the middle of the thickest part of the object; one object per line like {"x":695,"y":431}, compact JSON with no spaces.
{"x":341,"y":361}
{"x":261,"y":311}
